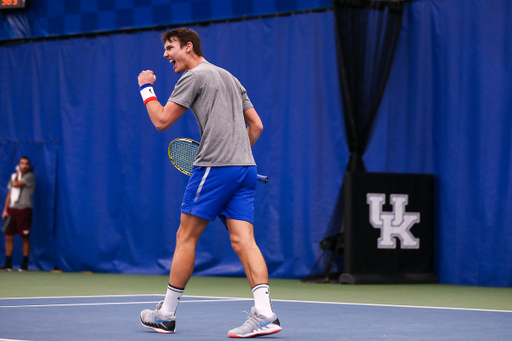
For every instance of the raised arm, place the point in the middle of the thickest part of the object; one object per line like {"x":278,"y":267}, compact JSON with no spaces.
{"x":254,"y":125}
{"x":16,"y":182}
{"x":162,"y":117}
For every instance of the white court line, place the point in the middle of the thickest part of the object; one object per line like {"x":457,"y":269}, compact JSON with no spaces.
{"x":12,"y":340}
{"x":226,"y":299}
{"x":378,"y":305}
{"x":398,"y":306}
{"x":371,"y":304}
{"x":108,"y":303}
{"x":134,"y":295}
{"x":42,"y":297}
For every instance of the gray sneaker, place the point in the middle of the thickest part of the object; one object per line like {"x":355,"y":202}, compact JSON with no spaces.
{"x":257,"y":325}
{"x":153,"y":319}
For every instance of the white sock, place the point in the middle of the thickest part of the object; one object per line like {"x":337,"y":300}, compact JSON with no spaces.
{"x":261,"y":293}
{"x":171,"y":301}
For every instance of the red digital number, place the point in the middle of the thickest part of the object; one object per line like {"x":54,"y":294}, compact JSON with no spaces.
{"x":9,"y":2}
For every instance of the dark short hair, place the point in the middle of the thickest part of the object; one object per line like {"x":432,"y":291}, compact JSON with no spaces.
{"x":24,"y":157}
{"x":184,"y":35}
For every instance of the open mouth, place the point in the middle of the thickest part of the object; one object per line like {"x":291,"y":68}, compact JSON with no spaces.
{"x":172,"y":61}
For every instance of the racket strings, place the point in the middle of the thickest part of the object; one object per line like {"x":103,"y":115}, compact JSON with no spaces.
{"x":183,"y":155}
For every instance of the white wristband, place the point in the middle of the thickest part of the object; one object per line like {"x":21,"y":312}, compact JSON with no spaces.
{"x":148,"y":93}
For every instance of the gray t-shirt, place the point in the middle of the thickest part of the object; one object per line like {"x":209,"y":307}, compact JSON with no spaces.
{"x":218,"y":101}
{"x":25,"y":198}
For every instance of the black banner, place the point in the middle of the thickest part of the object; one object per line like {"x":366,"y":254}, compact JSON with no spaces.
{"x":389,"y":228}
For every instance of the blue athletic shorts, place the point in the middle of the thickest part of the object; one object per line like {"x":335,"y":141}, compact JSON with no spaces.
{"x":221,"y":191}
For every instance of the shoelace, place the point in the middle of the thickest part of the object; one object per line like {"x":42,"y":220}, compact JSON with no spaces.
{"x":251,"y":320}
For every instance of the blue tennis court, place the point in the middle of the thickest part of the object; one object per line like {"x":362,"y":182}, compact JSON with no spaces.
{"x":209,"y":318}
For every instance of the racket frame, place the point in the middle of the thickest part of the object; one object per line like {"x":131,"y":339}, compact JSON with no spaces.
{"x":261,"y":178}
{"x":181,"y":139}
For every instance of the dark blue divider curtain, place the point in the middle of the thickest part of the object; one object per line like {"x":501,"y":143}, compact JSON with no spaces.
{"x":366,"y":37}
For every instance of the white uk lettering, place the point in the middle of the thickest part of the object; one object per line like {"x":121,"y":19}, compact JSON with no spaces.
{"x":392,"y":225}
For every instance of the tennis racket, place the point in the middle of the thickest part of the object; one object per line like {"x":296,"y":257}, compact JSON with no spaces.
{"x":182,"y":153}
{"x":6,"y":223}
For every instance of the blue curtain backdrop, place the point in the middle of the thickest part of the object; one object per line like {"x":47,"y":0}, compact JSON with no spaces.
{"x":446,"y":111}
{"x":118,"y":195}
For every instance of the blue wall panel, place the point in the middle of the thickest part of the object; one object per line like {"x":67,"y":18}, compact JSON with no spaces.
{"x":48,"y":18}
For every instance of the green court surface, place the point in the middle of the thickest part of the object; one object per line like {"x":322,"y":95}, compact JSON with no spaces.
{"x":49,"y":284}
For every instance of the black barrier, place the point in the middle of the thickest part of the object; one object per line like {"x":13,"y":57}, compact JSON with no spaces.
{"x":389,"y":228}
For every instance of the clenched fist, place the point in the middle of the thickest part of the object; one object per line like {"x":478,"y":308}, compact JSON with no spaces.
{"x":146,"y":76}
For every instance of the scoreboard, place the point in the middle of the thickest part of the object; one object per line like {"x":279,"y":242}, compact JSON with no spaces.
{"x":7,"y":4}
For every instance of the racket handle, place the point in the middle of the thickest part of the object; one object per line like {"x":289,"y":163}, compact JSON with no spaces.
{"x":263,"y":178}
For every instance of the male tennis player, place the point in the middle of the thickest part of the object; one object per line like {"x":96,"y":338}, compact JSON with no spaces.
{"x":223,"y":180}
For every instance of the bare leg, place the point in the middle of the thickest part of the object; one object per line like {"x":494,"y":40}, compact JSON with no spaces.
{"x":163,"y":319}
{"x":242,"y":240}
{"x":243,"y":243}
{"x":9,"y":244}
{"x":26,"y":246}
{"x":190,"y":230}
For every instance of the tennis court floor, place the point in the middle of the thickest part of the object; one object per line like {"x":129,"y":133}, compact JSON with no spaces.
{"x":209,"y":318}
